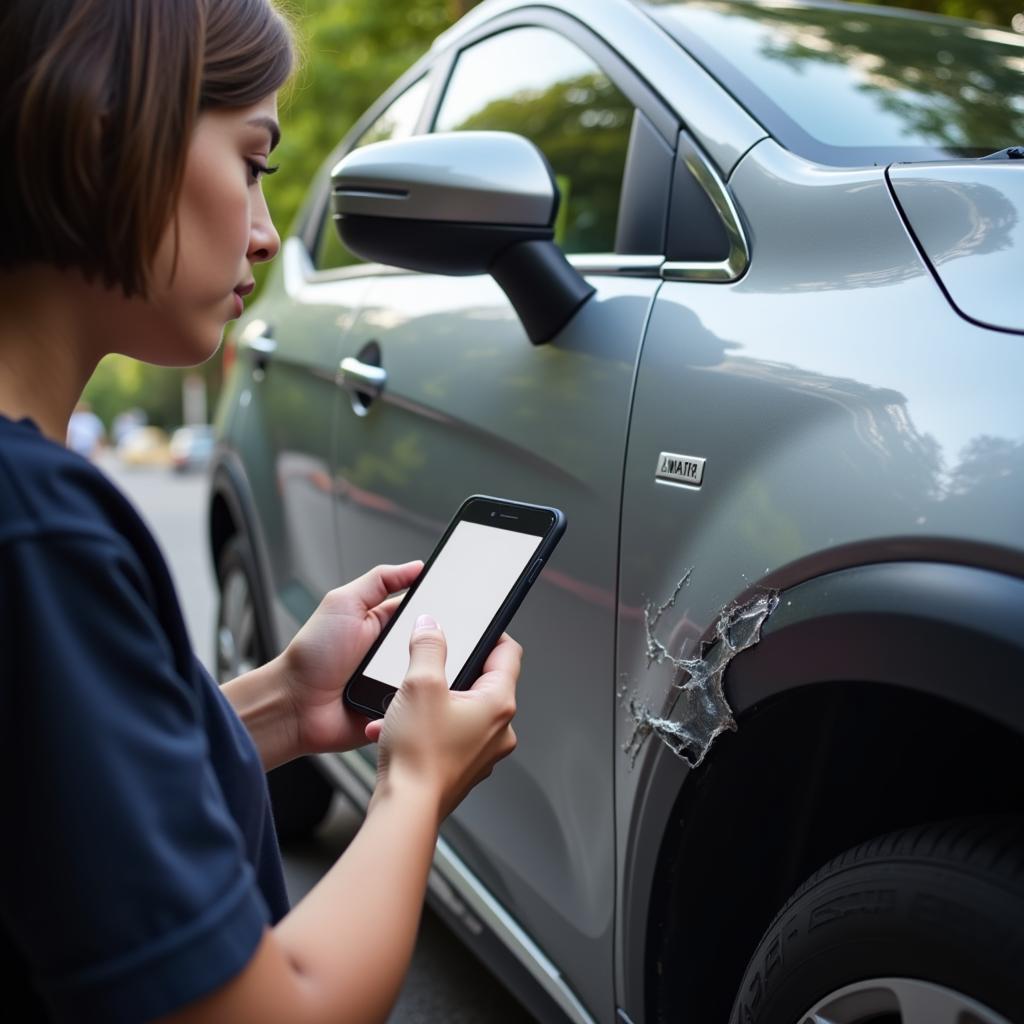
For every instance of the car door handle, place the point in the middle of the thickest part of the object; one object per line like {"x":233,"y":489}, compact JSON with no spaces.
{"x":362,"y":377}
{"x":256,"y":337}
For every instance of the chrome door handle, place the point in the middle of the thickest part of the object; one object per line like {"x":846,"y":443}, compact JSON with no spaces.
{"x":362,"y":377}
{"x":256,"y":338}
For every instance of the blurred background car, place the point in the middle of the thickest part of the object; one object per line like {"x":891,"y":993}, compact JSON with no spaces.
{"x":191,"y":448}
{"x":145,"y":446}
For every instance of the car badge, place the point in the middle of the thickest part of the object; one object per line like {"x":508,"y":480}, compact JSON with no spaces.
{"x":687,"y":470}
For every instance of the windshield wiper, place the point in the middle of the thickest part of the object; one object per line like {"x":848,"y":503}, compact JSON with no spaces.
{"x":1013,"y":153}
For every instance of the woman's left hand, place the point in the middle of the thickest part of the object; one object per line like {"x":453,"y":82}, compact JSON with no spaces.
{"x":321,"y":658}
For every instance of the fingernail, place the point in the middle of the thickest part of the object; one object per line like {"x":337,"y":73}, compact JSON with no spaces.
{"x":424,"y":622}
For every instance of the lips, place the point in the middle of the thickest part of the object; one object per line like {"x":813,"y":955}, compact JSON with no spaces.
{"x":239,"y":292}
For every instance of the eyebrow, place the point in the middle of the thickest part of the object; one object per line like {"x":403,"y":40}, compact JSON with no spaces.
{"x":271,"y":125}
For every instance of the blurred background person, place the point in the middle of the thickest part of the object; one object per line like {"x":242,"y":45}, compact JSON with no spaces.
{"x":86,"y":432}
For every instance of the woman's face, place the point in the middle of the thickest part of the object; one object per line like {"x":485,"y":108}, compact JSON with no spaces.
{"x":223,"y":230}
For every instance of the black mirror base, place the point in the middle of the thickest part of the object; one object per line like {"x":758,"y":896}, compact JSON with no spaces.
{"x":545,"y":289}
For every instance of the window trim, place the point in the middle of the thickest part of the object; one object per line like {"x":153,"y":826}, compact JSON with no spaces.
{"x":438,"y":64}
{"x":640,"y":96}
{"x":736,"y":262}
{"x":425,"y":68}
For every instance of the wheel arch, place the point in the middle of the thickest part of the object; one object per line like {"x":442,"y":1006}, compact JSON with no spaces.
{"x":232,"y":513}
{"x":880,"y":696}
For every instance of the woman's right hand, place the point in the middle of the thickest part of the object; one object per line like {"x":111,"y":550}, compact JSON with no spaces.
{"x":446,"y":741}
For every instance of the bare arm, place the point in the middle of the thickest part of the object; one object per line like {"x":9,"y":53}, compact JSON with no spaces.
{"x":341,"y":954}
{"x":266,"y":709}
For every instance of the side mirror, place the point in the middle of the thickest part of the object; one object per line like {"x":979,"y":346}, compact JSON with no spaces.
{"x":462,"y":203}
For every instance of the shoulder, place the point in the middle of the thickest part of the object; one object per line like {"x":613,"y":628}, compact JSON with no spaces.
{"x":66,"y":531}
{"x":48,"y":491}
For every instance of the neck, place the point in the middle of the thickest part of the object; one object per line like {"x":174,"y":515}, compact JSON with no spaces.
{"x":48,"y":348}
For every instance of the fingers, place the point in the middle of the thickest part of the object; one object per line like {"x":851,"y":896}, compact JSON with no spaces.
{"x":373,"y":728}
{"x":506,"y":657}
{"x":509,"y":742}
{"x":427,"y":654}
{"x":500,"y":675}
{"x":384,"y":612}
{"x":374,"y":586}
{"x":398,"y":577}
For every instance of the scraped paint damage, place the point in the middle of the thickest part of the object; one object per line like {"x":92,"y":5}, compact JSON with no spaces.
{"x":696,"y":710}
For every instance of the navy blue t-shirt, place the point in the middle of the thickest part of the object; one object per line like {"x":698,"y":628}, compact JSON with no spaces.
{"x":138,"y":861}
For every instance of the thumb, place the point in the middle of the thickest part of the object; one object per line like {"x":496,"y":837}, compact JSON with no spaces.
{"x":427,"y":653}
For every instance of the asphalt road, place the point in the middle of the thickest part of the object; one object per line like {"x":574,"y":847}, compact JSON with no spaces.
{"x":445,"y":982}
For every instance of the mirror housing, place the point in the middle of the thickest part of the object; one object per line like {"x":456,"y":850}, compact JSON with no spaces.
{"x":460,"y":203}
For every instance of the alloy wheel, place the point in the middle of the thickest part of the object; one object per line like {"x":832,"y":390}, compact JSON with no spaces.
{"x":237,"y":638}
{"x":899,"y":1001}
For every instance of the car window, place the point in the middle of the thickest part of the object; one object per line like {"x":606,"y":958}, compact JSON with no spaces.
{"x":533,"y":82}
{"x":852,"y":86}
{"x":397,"y":122}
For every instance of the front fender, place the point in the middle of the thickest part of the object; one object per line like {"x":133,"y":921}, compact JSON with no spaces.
{"x":952,"y":632}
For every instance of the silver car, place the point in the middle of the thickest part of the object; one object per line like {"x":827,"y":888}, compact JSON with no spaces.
{"x":738,"y":287}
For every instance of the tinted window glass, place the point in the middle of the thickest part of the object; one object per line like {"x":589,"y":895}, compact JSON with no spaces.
{"x":533,"y":82}
{"x":397,"y":122}
{"x":849,"y":85}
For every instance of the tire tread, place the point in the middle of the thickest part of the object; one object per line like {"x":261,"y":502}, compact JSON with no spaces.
{"x":994,"y":838}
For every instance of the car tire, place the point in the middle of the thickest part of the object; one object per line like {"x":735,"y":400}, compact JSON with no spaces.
{"x":299,"y":793}
{"x":916,"y":927}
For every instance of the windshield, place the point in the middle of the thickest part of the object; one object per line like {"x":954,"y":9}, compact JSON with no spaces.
{"x":849,"y":85}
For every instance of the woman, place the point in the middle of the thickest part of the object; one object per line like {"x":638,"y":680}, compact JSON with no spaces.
{"x":140,"y":874}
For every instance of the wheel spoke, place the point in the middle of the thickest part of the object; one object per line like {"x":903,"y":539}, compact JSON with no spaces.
{"x":922,"y":1002}
{"x":927,"y":1004}
{"x":854,"y":1003}
{"x":237,"y":638}
{"x":915,"y":1002}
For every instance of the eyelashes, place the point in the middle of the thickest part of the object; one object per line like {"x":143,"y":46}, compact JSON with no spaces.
{"x":258,"y":170}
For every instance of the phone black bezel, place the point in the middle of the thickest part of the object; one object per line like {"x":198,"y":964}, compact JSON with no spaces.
{"x":371,"y":696}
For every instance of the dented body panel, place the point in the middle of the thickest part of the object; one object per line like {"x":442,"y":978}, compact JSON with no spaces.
{"x":847,"y":415}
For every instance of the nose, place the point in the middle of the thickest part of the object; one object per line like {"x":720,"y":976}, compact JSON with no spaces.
{"x":264,"y":241}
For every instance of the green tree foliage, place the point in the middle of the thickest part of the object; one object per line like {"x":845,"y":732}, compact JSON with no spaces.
{"x":995,"y":12}
{"x":945,"y":87}
{"x":120,"y":383}
{"x":582,"y":125}
{"x":352,"y":51}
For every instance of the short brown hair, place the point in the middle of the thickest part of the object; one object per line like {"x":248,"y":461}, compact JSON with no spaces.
{"x":98,"y":102}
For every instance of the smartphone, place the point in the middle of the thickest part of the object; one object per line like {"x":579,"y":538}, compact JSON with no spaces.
{"x":472,"y":584}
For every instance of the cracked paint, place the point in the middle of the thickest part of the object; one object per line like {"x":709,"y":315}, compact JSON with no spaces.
{"x":696,"y":709}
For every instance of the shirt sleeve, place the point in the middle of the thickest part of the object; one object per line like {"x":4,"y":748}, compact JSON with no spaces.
{"x":124,"y":878}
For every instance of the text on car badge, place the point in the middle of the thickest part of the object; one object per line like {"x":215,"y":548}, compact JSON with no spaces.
{"x":680,"y":469}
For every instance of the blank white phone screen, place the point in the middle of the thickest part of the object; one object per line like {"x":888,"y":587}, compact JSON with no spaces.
{"x":465,"y":587}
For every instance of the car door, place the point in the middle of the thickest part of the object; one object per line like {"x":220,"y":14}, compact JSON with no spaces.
{"x":296,"y":346}
{"x":468,"y":405}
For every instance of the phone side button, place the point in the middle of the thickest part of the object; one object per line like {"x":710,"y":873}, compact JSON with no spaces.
{"x":535,"y":570}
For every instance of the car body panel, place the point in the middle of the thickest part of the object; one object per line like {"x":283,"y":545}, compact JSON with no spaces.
{"x":842,"y":406}
{"x":549,"y":427}
{"x":967,"y":219}
{"x":291,"y":404}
